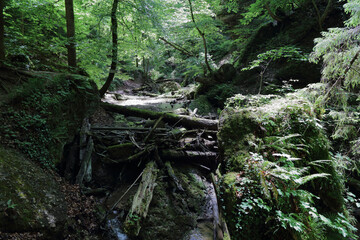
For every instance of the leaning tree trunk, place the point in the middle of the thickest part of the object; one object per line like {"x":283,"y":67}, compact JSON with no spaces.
{"x":114,"y":27}
{"x":2,"y":23}
{"x":202,"y":34}
{"x":70,"y":28}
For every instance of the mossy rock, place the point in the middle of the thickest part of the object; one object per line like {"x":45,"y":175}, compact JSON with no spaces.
{"x":173,"y":213}
{"x":228,"y":191}
{"x":31,"y":199}
{"x":251,"y":133}
{"x":169,"y":86}
{"x":202,"y":104}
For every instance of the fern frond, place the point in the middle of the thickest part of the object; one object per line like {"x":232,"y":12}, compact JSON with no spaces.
{"x":305,"y":179}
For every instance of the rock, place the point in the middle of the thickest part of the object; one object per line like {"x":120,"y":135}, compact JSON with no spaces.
{"x":202,"y":104}
{"x":254,"y":132}
{"x":31,"y":199}
{"x":169,"y":86}
{"x":226,"y":73}
{"x":173,"y":214}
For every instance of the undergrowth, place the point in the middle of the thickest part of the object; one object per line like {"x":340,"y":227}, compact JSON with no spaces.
{"x":279,"y":174}
{"x":40,"y":116}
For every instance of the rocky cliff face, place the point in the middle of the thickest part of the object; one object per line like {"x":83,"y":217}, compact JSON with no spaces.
{"x":40,"y":113}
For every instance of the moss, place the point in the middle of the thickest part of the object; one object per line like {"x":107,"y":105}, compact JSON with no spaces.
{"x":218,"y":94}
{"x":173,"y":213}
{"x":252,"y":133}
{"x":42,"y":115}
{"x":228,"y":191}
{"x":122,"y":151}
{"x":38,"y":201}
{"x":202,"y":104}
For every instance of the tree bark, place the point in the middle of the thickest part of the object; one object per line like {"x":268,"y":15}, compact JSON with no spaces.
{"x":114,"y":27}
{"x":142,"y":200}
{"x":2,"y":31}
{"x":208,"y":159}
{"x":70,"y":27}
{"x":322,"y":17}
{"x":272,"y":15}
{"x":85,"y":168}
{"x":326,"y":12}
{"x":173,"y":177}
{"x":202,"y":34}
{"x":186,"y":121}
{"x":177,"y":47}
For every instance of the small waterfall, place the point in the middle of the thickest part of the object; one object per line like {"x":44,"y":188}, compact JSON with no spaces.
{"x":115,"y":227}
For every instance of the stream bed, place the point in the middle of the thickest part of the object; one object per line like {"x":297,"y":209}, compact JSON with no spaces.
{"x":188,"y":213}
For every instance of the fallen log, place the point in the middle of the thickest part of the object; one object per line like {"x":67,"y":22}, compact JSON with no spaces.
{"x":153,"y":128}
{"x":121,"y":151}
{"x":127,"y":128}
{"x":208,"y":159}
{"x":141,"y":200}
{"x":186,"y":121}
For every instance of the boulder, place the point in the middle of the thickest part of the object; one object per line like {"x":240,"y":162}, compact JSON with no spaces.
{"x":31,"y":199}
{"x":169,"y":86}
{"x":261,"y":136}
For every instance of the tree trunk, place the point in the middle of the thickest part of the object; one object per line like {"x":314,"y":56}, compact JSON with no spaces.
{"x":326,"y":12}
{"x":322,"y":17}
{"x":208,"y":159}
{"x":70,"y":26}
{"x":272,"y":15}
{"x":114,"y":27}
{"x":186,"y":121}
{"x":177,"y":47}
{"x":2,"y":23}
{"x":141,"y":200}
{"x":202,"y":34}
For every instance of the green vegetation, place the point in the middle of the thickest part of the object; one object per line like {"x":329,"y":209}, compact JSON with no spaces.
{"x":279,"y":174}
{"x":44,"y":113}
{"x":339,"y":49}
{"x":289,"y":160}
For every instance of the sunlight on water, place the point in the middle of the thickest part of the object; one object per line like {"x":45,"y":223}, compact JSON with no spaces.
{"x":115,"y":226}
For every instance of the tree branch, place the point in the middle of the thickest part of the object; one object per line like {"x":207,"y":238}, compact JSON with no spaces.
{"x":272,"y":15}
{"x":202,"y":34}
{"x":177,"y":47}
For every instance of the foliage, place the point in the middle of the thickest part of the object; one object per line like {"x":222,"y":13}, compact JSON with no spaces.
{"x":264,"y":59}
{"x":38,"y":119}
{"x":339,"y":50}
{"x":219,"y":93}
{"x":284,"y":180}
{"x":270,"y":193}
{"x":32,"y":38}
{"x":264,"y":8}
{"x":287,"y":52}
{"x":10,"y":204}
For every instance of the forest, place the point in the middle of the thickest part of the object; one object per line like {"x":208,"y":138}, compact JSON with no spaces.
{"x":180,"y":119}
